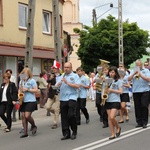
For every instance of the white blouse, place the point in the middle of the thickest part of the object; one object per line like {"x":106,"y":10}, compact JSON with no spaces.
{"x":4,"y":98}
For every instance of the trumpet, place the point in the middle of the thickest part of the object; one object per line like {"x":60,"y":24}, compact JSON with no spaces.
{"x":137,"y":76}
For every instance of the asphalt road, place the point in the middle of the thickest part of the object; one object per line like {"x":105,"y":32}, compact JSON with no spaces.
{"x":90,"y":136}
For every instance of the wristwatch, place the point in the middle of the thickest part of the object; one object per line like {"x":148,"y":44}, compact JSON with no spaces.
{"x":28,"y":89}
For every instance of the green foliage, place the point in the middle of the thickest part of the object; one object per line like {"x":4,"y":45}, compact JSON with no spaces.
{"x":101,"y":42}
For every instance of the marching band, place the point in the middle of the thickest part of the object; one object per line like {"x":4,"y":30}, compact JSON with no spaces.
{"x":109,"y":88}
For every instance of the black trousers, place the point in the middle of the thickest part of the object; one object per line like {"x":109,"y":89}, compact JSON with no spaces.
{"x":101,"y":109}
{"x":98,"y":104}
{"x":68,"y":117}
{"x":141,"y":102}
{"x":6,"y":108}
{"x":81,"y":105}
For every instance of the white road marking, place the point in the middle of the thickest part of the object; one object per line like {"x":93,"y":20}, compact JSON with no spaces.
{"x":106,"y":141}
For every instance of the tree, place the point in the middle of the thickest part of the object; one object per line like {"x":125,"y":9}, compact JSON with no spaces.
{"x":101,"y":42}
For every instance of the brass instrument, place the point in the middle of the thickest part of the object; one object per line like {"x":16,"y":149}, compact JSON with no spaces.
{"x":20,"y":98}
{"x":98,"y":85}
{"x":105,"y":91}
{"x":137,"y":76}
{"x":105,"y":94}
{"x":21,"y":94}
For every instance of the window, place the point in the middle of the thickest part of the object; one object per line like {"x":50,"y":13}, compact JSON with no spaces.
{"x":23,"y":15}
{"x":1,"y":13}
{"x":46,"y":22}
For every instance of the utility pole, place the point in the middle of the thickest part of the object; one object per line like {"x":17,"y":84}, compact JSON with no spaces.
{"x":30,"y":34}
{"x":57,"y":40}
{"x":120,"y":32}
{"x":94,"y":17}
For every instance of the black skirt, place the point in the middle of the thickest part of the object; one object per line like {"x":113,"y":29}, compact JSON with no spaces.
{"x":112,"y":105}
{"x":125,"y":97}
{"x":28,"y":107}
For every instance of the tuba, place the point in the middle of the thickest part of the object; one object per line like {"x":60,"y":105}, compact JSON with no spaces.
{"x":98,"y":85}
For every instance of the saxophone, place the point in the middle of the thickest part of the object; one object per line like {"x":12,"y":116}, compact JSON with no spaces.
{"x":105,"y":94}
{"x":21,"y":94}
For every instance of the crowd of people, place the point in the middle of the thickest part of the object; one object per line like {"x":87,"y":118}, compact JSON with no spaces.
{"x":65,"y":95}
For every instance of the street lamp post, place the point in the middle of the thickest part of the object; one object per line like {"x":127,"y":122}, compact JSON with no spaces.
{"x":120,"y":27}
{"x":95,"y":15}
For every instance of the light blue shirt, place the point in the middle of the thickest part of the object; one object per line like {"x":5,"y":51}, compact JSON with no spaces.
{"x":114,"y":97}
{"x":28,"y":96}
{"x":67,"y":92}
{"x":58,"y":77}
{"x":83,"y":91}
{"x":140,"y":85}
{"x":125,"y":81}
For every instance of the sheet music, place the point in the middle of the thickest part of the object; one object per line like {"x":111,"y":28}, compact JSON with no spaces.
{"x":136,"y":69}
{"x":109,"y":80}
{"x":98,"y":80}
{"x":55,"y":87}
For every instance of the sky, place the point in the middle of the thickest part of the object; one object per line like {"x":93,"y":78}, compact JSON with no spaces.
{"x":133,"y":10}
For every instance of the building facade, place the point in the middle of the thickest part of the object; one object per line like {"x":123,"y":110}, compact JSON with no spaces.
{"x":13,"y":27}
{"x":71,"y":21}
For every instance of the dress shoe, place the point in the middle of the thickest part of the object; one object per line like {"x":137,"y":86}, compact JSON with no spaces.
{"x":34,"y":130}
{"x":127,"y":120}
{"x":87,"y":121}
{"x":78,"y":123}
{"x":73,"y":136}
{"x":112,"y":137}
{"x":144,"y":126}
{"x":54,"y":126}
{"x":105,"y":125}
{"x":65,"y":137}
{"x":120,"y":121}
{"x":24,"y":135}
{"x":118,"y":133}
{"x":138,"y":126}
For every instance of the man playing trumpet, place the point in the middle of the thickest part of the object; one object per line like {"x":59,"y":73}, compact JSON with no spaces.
{"x":140,"y":89}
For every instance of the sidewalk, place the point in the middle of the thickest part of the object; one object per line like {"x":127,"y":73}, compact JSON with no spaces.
{"x":41,"y":113}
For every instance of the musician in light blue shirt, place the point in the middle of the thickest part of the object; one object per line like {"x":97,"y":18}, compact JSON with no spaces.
{"x":69,"y":85}
{"x":81,"y":101}
{"x":113,"y":102}
{"x":124,"y":96}
{"x":140,"y":88}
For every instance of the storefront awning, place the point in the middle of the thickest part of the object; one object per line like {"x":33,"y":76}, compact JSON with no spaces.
{"x":20,"y":52}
